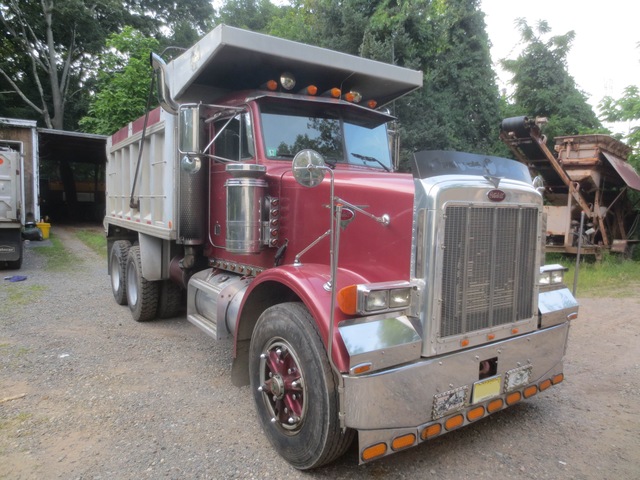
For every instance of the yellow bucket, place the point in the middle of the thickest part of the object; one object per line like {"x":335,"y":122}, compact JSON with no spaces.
{"x":45,"y":227}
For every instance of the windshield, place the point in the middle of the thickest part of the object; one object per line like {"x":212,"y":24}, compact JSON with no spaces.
{"x":327,"y":130}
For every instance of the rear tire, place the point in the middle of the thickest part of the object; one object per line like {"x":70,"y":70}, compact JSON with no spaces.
{"x":171,"y":300}
{"x":295,"y":389}
{"x":118,"y":270}
{"x":142,"y":294}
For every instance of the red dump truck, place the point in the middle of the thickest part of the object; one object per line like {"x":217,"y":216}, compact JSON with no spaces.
{"x":361,"y":302}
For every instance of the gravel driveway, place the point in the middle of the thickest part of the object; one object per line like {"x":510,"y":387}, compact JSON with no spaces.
{"x":87,"y":393}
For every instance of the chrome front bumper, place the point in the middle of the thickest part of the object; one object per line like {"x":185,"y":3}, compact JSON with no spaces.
{"x":403,"y":397}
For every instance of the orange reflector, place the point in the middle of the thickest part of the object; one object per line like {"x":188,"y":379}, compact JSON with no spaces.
{"x":557,"y":379}
{"x":495,"y":405}
{"x":348,"y":299}
{"x":530,"y":391}
{"x":271,"y":85}
{"x":431,"y":431}
{"x":572,"y":316}
{"x":349,"y":97}
{"x":374,"y":451}
{"x":454,"y":422}
{"x":491,"y":336}
{"x":475,"y":413}
{"x":403,"y":441}
{"x":464,"y":343}
{"x":514,"y":330}
{"x":372,"y":104}
{"x":544,"y":385}
{"x":365,"y":367}
{"x":514,"y":397}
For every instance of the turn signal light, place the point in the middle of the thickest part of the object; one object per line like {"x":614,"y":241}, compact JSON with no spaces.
{"x":374,"y":451}
{"x":431,"y":431}
{"x":348,"y":299}
{"x":403,"y":441}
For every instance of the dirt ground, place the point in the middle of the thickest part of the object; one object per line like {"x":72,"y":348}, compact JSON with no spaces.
{"x":86,"y":392}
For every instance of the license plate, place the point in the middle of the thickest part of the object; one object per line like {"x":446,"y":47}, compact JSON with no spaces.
{"x":485,"y":389}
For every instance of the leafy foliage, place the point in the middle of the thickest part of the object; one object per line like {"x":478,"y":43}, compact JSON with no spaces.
{"x":543,"y":86}
{"x":625,"y":109}
{"x":121,"y":89}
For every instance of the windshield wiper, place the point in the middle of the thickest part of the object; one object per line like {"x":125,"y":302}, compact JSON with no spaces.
{"x":364,"y":158}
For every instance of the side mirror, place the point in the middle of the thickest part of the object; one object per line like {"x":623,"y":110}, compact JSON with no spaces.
{"x":308,"y":168}
{"x":189,"y":130}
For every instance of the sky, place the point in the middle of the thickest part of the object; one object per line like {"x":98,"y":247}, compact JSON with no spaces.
{"x":604,"y":57}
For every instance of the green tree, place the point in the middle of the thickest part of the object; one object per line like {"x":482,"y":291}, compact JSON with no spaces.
{"x":252,"y":15}
{"x":543,"y":85}
{"x":49,"y":47}
{"x":123,"y":82}
{"x":626,"y":109}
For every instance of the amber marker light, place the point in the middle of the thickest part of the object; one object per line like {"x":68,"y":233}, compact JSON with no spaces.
{"x":530,"y":391}
{"x":514,"y":330}
{"x":454,"y":422}
{"x":334,"y":93}
{"x":431,"y":431}
{"x":557,"y":378}
{"x":544,"y":385}
{"x":403,"y":441}
{"x":464,"y":343}
{"x":310,"y":90}
{"x":475,"y":413}
{"x":514,"y":397}
{"x":374,"y":451}
{"x":347,"y":299}
{"x":372,"y":104}
{"x":270,"y":85}
{"x":495,"y":405}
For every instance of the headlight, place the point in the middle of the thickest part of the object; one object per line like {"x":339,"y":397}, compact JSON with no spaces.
{"x":375,"y":298}
{"x":551,"y":274}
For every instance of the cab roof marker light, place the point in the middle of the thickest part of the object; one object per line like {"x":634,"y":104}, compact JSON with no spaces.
{"x":333,"y":93}
{"x":309,"y":90}
{"x":352,"y":96}
{"x":372,"y":103}
{"x":269,"y":85}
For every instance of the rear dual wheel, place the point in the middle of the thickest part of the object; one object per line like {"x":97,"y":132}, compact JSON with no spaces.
{"x":295,"y":389}
{"x":142,"y":294}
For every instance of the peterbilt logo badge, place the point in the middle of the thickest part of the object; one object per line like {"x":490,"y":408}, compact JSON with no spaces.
{"x":496,"y":195}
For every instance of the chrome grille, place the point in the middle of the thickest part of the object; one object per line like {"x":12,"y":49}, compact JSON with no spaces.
{"x":488,"y":267}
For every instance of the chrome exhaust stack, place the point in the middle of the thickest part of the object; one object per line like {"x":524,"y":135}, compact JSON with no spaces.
{"x":164,"y":94}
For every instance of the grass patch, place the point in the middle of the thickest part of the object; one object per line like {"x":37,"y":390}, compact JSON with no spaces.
{"x":21,"y":295}
{"x":612,"y":277}
{"x":96,"y":241}
{"x":58,"y":257}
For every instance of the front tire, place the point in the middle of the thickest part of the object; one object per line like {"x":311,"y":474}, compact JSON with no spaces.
{"x":295,"y":389}
{"x":142,"y":294}
{"x":118,"y":270}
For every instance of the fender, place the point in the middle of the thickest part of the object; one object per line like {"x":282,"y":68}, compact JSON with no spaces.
{"x":295,"y":283}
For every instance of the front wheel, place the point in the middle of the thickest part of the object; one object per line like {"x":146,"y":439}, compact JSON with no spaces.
{"x":295,"y":389}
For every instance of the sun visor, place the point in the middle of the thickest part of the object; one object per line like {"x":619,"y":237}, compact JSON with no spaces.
{"x":231,"y":59}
